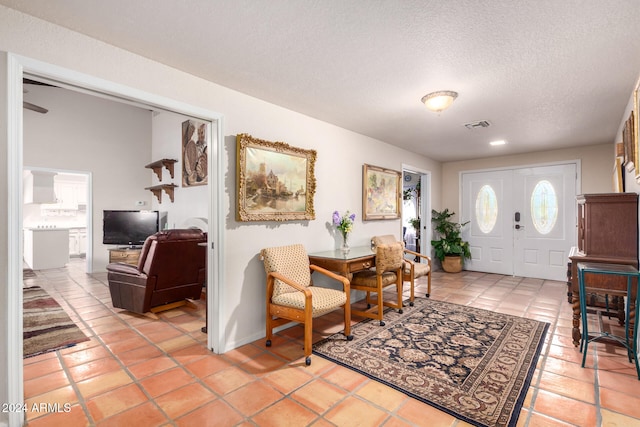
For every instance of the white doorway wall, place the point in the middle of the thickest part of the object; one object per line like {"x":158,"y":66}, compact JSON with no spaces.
{"x":521,"y":220}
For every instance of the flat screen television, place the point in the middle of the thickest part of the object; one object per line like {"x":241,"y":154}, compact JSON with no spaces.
{"x":129,"y":228}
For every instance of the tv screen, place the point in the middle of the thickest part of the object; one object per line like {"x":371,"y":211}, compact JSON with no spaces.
{"x":129,"y":228}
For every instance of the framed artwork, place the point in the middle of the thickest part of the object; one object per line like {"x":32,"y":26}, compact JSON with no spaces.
{"x":194,"y":153}
{"x":380,"y":193}
{"x":627,"y":140}
{"x":618,"y":179}
{"x":635,"y":125}
{"x":275,"y":181}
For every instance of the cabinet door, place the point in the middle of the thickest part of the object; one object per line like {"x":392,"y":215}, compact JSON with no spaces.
{"x":82,"y":242}
{"x":74,"y":248}
{"x":80,"y":191}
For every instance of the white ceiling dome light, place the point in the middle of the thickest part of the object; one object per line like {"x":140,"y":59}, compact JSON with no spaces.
{"x":439,"y":101}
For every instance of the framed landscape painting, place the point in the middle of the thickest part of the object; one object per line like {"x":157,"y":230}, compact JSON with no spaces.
{"x":380,"y":193}
{"x":275,"y":181}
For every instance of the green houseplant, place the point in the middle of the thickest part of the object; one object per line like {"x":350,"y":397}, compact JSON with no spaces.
{"x":449,"y":247}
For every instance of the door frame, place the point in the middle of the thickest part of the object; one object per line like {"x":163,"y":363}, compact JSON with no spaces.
{"x":17,"y":66}
{"x":424,"y":208}
{"x":576,"y":162}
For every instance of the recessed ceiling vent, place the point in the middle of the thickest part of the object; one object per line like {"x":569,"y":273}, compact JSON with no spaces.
{"x":477,"y":125}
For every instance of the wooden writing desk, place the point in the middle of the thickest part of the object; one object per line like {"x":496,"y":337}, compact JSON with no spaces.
{"x":358,"y":258}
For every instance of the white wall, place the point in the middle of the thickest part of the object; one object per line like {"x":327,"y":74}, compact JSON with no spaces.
{"x":111,"y":140}
{"x":341,"y":155}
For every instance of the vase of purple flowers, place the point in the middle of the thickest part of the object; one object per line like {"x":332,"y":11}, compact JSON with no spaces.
{"x":344,"y":224}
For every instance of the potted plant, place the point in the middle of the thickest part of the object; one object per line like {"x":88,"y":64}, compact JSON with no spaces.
{"x":415,"y":223}
{"x":449,"y":248}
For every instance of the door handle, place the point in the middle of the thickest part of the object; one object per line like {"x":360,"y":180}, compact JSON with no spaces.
{"x":517,"y":216}
{"x":519,"y":227}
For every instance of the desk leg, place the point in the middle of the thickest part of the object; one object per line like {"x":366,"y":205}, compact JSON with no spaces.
{"x":575,"y":333}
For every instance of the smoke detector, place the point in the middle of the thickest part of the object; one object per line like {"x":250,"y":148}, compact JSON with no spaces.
{"x":478,"y":124}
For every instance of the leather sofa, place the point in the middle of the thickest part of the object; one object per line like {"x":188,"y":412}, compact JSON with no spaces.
{"x":171,"y":268}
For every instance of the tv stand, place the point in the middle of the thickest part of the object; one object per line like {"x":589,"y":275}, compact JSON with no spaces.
{"x":129,"y":255}
{"x":129,"y":247}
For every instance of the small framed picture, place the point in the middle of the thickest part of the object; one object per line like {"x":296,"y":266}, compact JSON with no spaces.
{"x":380,"y":193}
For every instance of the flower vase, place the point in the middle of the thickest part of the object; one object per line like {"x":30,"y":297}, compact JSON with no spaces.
{"x":345,"y":244}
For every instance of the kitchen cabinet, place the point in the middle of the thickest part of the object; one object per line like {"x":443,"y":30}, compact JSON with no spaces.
{"x":38,"y":187}
{"x":46,"y":247}
{"x":77,"y":242}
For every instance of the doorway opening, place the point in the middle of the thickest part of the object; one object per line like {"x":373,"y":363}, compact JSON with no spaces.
{"x":69,"y":210}
{"x":17,"y":68}
{"x":416,"y":209}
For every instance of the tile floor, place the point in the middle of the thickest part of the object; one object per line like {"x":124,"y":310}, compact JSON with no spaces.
{"x":139,"y":372}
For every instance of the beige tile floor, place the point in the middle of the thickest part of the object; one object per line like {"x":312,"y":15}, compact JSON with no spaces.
{"x":139,"y":372}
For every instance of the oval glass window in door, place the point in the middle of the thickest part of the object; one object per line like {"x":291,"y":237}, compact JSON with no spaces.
{"x":544,"y":207}
{"x":486,"y":209}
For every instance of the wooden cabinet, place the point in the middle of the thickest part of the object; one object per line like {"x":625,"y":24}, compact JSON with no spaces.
{"x":127,"y":255}
{"x":608,"y":225}
{"x":607,"y":233}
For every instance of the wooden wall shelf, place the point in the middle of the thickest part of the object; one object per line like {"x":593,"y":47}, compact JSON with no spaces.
{"x":158,"y":165}
{"x":157,"y":191}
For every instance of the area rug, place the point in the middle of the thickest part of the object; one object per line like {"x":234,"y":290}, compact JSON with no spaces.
{"x":28,"y":273}
{"x":473,"y":364}
{"x":46,"y":326}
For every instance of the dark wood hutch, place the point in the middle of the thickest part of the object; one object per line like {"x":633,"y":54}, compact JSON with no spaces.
{"x":607,"y":233}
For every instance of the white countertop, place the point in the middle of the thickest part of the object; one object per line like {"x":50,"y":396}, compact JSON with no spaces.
{"x":36,"y":228}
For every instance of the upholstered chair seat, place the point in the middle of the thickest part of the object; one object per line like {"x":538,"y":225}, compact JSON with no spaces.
{"x":292,"y":297}
{"x":323,"y":300}
{"x":369,"y":278}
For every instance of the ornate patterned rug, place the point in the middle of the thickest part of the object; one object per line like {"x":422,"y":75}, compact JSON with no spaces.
{"x":473,"y":364}
{"x":46,"y":326}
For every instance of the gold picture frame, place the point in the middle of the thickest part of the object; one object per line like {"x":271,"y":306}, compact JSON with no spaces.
{"x":636,"y":128}
{"x":628,"y":141}
{"x":275,"y":181}
{"x":381,"y":190}
{"x":618,"y":180}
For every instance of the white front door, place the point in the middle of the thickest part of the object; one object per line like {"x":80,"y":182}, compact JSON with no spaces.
{"x":486,"y":205}
{"x":521,"y":221}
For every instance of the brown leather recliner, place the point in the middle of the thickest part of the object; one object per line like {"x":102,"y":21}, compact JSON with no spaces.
{"x":171,"y":268}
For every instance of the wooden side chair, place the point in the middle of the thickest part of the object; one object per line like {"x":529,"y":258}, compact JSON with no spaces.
{"x":291,"y":296}
{"x":412,"y":269}
{"x":388,"y":271}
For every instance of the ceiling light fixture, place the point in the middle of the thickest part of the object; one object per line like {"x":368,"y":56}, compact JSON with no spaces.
{"x":498,"y":142}
{"x":439,"y":101}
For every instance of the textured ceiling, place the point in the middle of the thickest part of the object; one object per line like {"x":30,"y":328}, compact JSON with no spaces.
{"x":546,"y":74}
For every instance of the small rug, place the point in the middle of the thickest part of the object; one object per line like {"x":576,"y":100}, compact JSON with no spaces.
{"x":46,"y":326}
{"x":471,"y":363}
{"x":28,"y":273}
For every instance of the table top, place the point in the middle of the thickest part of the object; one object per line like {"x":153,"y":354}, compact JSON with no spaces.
{"x":354,"y":253}
{"x":597,"y":267}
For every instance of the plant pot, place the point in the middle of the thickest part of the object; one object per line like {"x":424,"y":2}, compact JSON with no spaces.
{"x":452,"y":264}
